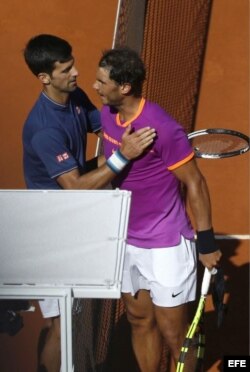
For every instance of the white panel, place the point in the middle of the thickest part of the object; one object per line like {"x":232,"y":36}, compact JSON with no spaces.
{"x":63,"y":237}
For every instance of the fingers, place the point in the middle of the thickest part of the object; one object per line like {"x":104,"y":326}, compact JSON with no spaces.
{"x":143,"y":131}
{"x":140,"y":133}
{"x":211,"y":260}
{"x":143,"y":136}
{"x":134,"y":143}
{"x":127,"y":131}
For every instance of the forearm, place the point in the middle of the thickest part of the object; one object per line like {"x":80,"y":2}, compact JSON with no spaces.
{"x":96,"y":179}
{"x":93,"y":180}
{"x":200,"y":205}
{"x":199,"y":201}
{"x":101,"y":160}
{"x":95,"y":163}
{"x":133,"y":145}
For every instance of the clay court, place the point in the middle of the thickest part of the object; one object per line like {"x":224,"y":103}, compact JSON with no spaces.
{"x":221,"y":101}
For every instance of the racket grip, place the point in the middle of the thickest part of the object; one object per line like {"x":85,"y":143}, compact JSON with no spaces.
{"x":206,"y":280}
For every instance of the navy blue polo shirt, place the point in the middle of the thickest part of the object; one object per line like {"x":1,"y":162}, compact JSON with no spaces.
{"x":55,"y":138}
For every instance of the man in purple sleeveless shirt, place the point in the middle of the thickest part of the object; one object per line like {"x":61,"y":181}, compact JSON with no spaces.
{"x":159,"y":277}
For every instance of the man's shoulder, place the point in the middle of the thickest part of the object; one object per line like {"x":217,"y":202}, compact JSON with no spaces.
{"x":158,"y":114}
{"x":155,"y":108}
{"x":35,"y":112}
{"x":41,"y":115}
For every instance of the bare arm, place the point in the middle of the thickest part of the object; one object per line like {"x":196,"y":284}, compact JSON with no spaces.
{"x":199,"y":201}
{"x":133,"y":145}
{"x":93,"y":180}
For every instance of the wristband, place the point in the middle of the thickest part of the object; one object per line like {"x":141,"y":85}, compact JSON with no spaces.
{"x":206,"y":241}
{"x":116,"y":162}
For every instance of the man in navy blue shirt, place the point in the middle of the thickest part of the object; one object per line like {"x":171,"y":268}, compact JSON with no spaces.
{"x":54,"y":146}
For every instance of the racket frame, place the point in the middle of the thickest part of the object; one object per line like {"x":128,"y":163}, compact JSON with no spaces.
{"x":221,"y":155}
{"x":198,"y":315}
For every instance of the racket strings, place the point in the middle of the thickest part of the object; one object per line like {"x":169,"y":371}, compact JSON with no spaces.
{"x":218,"y":143}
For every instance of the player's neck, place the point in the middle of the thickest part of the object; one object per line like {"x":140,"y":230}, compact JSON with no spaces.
{"x":56,"y":96}
{"x":128,"y":109}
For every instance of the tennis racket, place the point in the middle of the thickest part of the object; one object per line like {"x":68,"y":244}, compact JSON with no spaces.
{"x":192,"y":350}
{"x":218,"y":143}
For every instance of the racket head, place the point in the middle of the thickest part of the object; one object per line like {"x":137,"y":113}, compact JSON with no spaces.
{"x":217,"y":143}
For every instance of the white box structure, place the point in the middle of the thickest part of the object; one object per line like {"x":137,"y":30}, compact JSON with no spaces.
{"x":62,"y":244}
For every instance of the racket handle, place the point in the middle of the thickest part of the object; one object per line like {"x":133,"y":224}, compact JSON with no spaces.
{"x":206,"y":280}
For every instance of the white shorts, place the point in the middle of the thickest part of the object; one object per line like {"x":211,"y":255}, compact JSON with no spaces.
{"x":49,"y":307}
{"x":168,"y":273}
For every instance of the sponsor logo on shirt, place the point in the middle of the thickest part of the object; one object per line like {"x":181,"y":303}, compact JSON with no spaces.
{"x":62,"y":157}
{"x":110,"y":139}
{"x":114,"y":141}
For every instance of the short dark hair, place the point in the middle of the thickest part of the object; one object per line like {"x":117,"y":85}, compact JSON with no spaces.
{"x":42,"y":51}
{"x":125,"y":66}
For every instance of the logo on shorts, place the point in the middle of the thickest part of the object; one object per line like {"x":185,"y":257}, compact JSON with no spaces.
{"x":176,"y":294}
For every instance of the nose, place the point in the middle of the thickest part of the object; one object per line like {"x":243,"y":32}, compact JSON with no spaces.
{"x":75,"y":71}
{"x":95,"y":85}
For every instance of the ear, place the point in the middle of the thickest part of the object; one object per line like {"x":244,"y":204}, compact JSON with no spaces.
{"x":44,"y":78}
{"x":125,"y":88}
